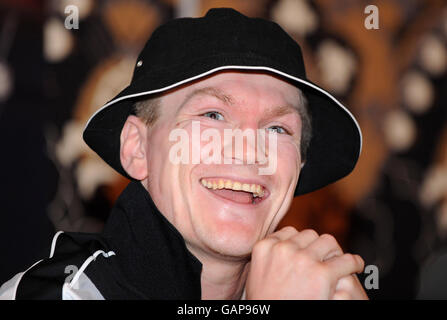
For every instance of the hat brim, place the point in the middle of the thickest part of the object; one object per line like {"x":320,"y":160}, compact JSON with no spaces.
{"x":336,"y":136}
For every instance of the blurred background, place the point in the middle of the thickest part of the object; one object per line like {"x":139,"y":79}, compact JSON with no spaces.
{"x":392,"y":210}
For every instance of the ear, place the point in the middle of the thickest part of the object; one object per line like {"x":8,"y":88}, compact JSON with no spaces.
{"x":133,"y":148}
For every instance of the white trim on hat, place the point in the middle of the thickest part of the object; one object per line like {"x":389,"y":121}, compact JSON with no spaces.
{"x":240,"y":68}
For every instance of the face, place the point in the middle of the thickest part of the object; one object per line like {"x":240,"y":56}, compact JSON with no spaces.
{"x":201,"y":200}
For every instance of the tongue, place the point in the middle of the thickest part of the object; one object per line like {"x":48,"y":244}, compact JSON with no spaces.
{"x":236,"y":196}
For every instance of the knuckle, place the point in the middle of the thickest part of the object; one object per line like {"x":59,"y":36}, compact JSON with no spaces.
{"x":273,"y":235}
{"x":360,"y":261}
{"x":310,"y":232}
{"x":289,"y":230}
{"x":283,"y":247}
{"x":303,"y":258}
{"x":329,"y":238}
{"x":260,"y":247}
{"x":297,"y":240}
{"x":350,"y":258}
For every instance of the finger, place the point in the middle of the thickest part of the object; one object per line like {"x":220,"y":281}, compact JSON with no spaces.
{"x":263,"y":247}
{"x":304,"y":238}
{"x":324,"y":248}
{"x":341,"y":295}
{"x":284,"y":234}
{"x":345,"y":265}
{"x":345,"y":283}
{"x":352,"y":285}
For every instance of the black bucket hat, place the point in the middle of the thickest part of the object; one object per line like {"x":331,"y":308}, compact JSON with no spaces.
{"x":187,"y":49}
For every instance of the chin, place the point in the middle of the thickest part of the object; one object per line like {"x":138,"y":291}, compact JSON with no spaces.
{"x":229,"y":238}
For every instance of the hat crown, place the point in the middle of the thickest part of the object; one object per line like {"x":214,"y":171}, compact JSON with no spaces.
{"x":222,"y":12}
{"x":222,"y":32}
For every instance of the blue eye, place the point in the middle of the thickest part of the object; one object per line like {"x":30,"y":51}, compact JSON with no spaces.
{"x":278,"y":129}
{"x":213,"y":115}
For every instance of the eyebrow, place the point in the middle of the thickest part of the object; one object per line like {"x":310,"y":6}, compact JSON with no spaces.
{"x":210,"y":91}
{"x":229,"y":100}
{"x":281,"y":111}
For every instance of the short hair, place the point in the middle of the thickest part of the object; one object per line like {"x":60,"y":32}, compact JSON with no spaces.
{"x":306,"y":126}
{"x":148,"y":111}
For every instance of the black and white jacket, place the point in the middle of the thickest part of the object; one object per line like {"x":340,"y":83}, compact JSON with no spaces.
{"x":139,"y":255}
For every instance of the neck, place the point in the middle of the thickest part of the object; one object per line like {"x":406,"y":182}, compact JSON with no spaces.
{"x":222,"y":278}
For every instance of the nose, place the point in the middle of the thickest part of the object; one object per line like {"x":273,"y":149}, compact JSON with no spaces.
{"x":243,"y":144}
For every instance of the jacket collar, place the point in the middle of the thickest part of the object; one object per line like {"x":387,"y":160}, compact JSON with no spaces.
{"x":150,"y":252}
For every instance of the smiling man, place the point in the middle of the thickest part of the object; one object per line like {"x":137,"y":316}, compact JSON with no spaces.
{"x":218,"y":131}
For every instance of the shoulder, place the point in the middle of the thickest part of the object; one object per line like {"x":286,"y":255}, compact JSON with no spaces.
{"x":63,"y":275}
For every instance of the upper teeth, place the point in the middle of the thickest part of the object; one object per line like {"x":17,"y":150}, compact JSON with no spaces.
{"x":256,"y":189}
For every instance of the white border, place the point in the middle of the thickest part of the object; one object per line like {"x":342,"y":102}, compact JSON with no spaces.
{"x":53,"y":243}
{"x":16,"y":286}
{"x":240,"y":68}
{"x":87,"y":262}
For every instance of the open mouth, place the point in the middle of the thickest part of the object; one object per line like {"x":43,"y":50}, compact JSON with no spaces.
{"x":239,"y":192}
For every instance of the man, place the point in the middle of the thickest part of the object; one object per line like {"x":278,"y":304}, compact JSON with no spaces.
{"x":198,"y":219}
